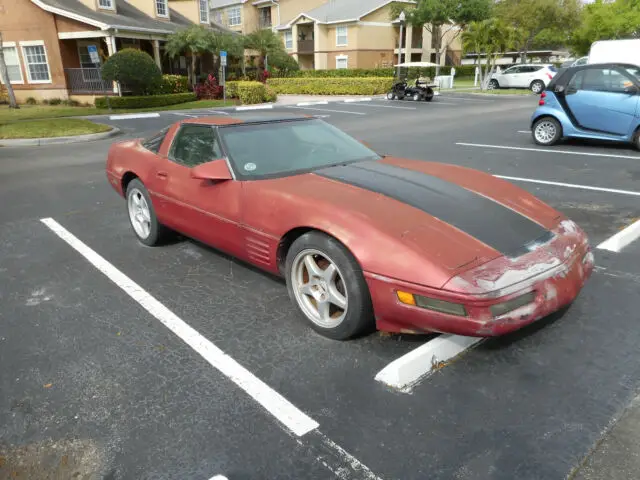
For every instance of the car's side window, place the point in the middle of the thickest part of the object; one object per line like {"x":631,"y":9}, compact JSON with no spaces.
{"x":195,"y":144}
{"x":511,"y":70}
{"x":605,"y":80}
{"x":576,"y":81}
{"x":154,"y":142}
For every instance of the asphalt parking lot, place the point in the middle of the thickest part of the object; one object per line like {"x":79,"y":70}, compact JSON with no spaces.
{"x":86,"y":370}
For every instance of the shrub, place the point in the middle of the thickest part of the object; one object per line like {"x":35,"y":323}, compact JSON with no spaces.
{"x":173,"y":84}
{"x":31,"y":101}
{"x":135,"y":69}
{"x":147,"y":101}
{"x":71,"y":103}
{"x":271,"y":95}
{"x":209,"y":90}
{"x":332,"y":86}
{"x":249,"y":92}
{"x":55,"y":101}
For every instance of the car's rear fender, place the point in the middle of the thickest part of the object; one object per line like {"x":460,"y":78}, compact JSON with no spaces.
{"x":553,"y":112}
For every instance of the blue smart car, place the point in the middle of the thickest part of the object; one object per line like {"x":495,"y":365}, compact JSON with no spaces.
{"x":594,"y":101}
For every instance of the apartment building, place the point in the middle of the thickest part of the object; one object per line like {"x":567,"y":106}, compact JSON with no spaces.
{"x":327,"y":34}
{"x":55,"y":48}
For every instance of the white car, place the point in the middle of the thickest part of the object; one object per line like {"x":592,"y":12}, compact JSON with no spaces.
{"x":532,"y":76}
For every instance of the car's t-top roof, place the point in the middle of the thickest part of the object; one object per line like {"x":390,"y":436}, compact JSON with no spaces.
{"x":246,"y":118}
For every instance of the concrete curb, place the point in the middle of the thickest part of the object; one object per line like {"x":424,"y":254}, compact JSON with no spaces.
{"x":35,"y":142}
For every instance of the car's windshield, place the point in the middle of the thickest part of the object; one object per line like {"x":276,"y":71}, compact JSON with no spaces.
{"x":286,"y":147}
{"x":634,"y":71}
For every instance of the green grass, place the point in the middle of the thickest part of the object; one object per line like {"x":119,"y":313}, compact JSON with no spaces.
{"x":33,"y":112}
{"x":50,"y":128}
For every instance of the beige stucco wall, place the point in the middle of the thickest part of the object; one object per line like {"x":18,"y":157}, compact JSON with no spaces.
{"x":375,"y":37}
{"x":40,"y":93}
{"x":289,"y":9}
{"x":67,"y":25}
{"x":379,"y":15}
{"x":187,"y":8}
{"x":34,"y":24}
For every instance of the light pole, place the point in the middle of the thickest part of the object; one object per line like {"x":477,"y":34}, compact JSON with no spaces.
{"x":402,"y":17}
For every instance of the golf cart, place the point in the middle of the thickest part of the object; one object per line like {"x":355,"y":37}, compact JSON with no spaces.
{"x":421,"y":89}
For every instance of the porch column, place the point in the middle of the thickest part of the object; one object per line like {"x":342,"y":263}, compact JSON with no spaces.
{"x":294,"y":37}
{"x":318,"y":64}
{"x":111,"y":49}
{"x":408,"y":39}
{"x":156,"y":53}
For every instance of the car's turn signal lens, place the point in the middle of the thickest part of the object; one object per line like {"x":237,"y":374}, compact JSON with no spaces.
{"x":431,"y":304}
{"x":406,"y":298}
{"x":510,"y":305}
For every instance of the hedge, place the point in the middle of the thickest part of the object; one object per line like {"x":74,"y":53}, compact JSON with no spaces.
{"x":461,"y":71}
{"x":331,"y":86}
{"x":174,"y":84}
{"x":149,"y":101}
{"x":250,"y":92}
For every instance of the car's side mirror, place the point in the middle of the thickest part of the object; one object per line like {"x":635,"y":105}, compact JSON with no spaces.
{"x":631,"y":90}
{"x":216,"y":170}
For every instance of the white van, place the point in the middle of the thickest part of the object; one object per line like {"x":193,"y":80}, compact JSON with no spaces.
{"x":615,"y":51}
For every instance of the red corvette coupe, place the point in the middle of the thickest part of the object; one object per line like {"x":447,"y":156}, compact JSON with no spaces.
{"x":364,"y":241}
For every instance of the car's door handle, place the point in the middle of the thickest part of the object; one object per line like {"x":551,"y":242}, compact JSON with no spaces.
{"x":162,"y":174}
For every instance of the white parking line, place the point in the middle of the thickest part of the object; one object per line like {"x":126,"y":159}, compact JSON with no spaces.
{"x":622,"y":238}
{"x":384,"y":106}
{"x":328,"y":110}
{"x":542,"y":150}
{"x":308,"y":104}
{"x":524,"y":131}
{"x":354,"y":100}
{"x":405,"y":372}
{"x":184,"y":114}
{"x":133,"y":116}
{"x":219,"y":112}
{"x":289,"y":415}
{"x":571,"y":185}
{"x":254,"y":107}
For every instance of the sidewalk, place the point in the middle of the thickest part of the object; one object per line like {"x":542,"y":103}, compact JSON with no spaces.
{"x":617,"y":456}
{"x":295,"y":99}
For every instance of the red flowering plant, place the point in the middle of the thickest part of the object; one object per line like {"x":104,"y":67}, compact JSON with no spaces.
{"x":209,"y":89}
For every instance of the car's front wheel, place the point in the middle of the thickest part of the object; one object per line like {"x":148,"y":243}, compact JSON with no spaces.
{"x":537,"y":86}
{"x":326,"y":284}
{"x":391,"y":96}
{"x":547,"y":131}
{"x":142,"y":215}
{"x":636,"y":139}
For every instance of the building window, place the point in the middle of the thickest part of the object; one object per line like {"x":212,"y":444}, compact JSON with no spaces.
{"x":13,"y":64}
{"x":341,"y":36}
{"x":217,"y":17}
{"x":288,"y":39}
{"x":35,"y":57}
{"x":106,"y":4}
{"x":161,"y":8}
{"x":204,"y":11}
{"x":233,"y":17}
{"x":342,"y":61}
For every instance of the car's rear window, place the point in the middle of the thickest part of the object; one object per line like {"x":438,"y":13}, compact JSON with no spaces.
{"x":154,"y":142}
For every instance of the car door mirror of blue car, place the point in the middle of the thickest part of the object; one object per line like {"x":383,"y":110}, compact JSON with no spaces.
{"x":632,"y":90}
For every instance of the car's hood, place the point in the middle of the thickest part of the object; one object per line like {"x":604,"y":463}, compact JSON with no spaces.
{"x":409,"y":212}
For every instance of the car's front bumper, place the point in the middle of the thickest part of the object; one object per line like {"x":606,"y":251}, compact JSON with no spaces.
{"x":553,"y":289}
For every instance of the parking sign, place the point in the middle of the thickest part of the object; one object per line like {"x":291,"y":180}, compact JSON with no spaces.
{"x":223,"y":58}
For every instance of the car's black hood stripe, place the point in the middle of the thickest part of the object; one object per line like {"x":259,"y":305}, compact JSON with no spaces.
{"x":493,"y":224}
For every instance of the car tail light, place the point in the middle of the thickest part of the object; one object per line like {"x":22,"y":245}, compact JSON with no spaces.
{"x":549,"y":75}
{"x":542,"y":97}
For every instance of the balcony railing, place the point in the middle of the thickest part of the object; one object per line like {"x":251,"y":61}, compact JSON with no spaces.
{"x":86,"y":80}
{"x":305,"y":46}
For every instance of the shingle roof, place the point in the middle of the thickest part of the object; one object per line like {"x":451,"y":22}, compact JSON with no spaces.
{"x":340,"y":10}
{"x":224,"y":3}
{"x":127,"y":18}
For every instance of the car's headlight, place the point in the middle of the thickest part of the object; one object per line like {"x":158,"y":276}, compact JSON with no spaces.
{"x":501,"y":308}
{"x":434,"y":304}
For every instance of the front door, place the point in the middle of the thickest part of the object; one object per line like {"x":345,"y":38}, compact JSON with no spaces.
{"x":598,"y":99}
{"x":202,"y":209}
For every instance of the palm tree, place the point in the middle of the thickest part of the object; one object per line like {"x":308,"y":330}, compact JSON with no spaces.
{"x":489,"y":37}
{"x":4,"y":76}
{"x":196,"y":40}
{"x":264,"y":41}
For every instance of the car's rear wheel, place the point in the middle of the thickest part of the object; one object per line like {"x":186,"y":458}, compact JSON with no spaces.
{"x":636,"y":139}
{"x":142,"y":215}
{"x":493,"y":84}
{"x":537,"y":86}
{"x":547,"y":131}
{"x":326,"y":283}
{"x":428,"y":97}
{"x":417,"y":97}
{"x":391,"y":96}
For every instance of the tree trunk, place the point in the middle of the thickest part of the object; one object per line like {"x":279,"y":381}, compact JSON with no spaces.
{"x":4,"y":76}
{"x":193,"y":68}
{"x":437,"y":33}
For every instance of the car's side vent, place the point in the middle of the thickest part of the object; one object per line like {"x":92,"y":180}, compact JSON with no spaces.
{"x":258,"y":250}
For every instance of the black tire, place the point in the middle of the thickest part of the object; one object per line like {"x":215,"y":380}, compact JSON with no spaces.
{"x":391,"y":96}
{"x":158,"y":233}
{"x":358,"y":318}
{"x":636,"y":139}
{"x":551,"y":124}
{"x":493,"y":84}
{"x":428,"y":97}
{"x":537,"y":86}
{"x":417,"y":97}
